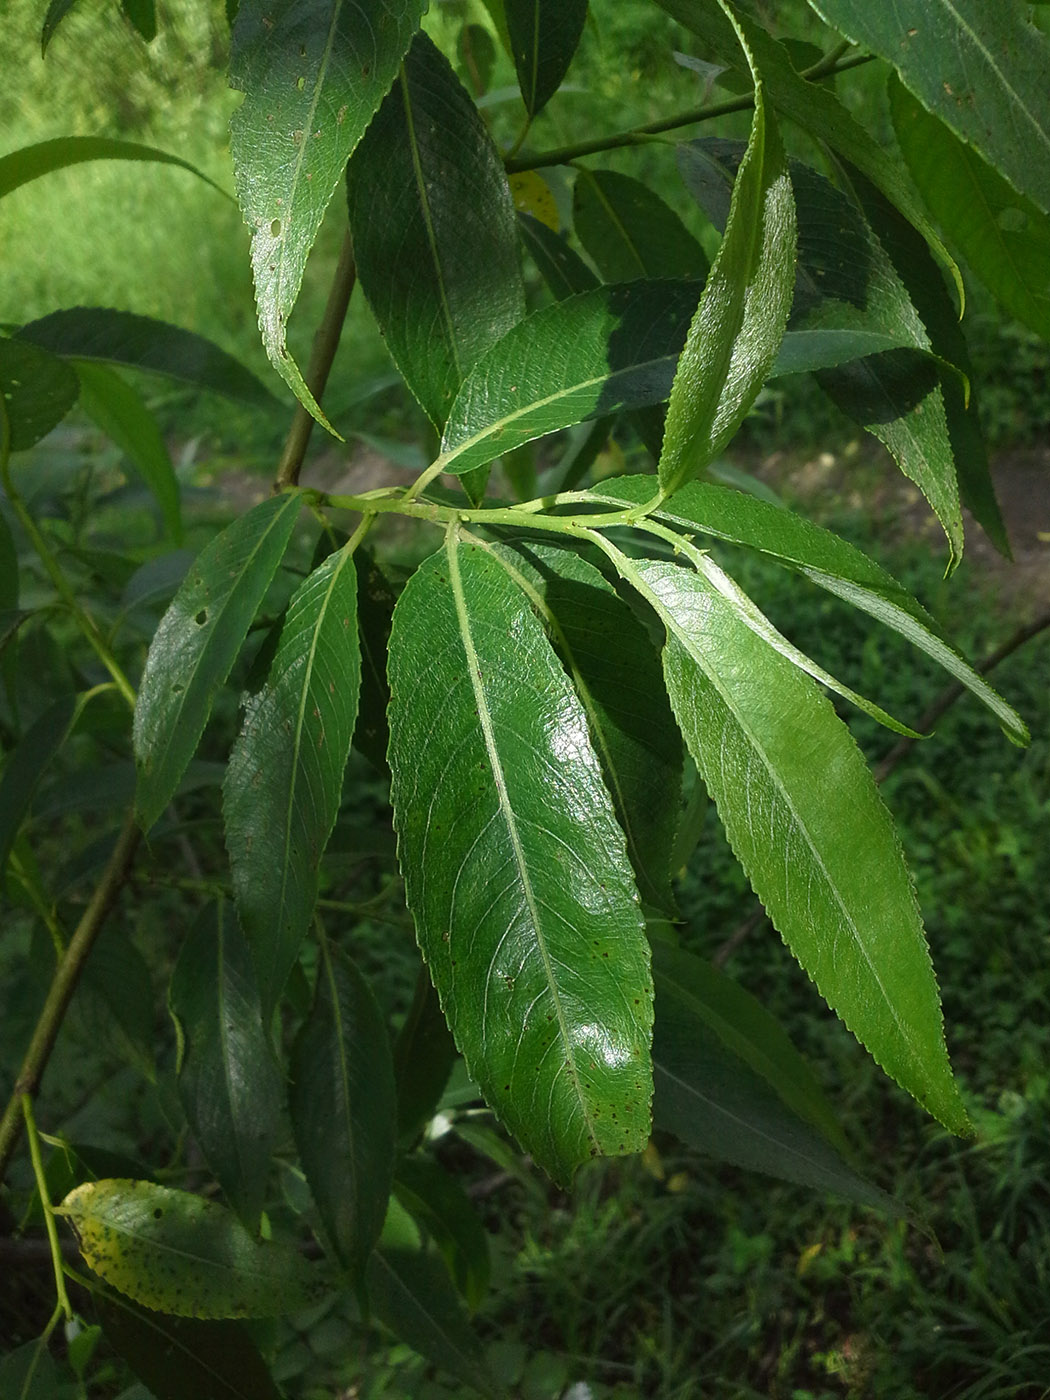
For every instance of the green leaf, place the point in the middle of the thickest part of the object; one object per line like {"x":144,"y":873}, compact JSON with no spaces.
{"x":343,"y":1108}
{"x":28,"y":1372}
{"x":180,"y":1358}
{"x":821,"y":557}
{"x":180,"y":1254}
{"x":56,"y":13}
{"x":443,"y":288}
{"x":26,"y":764}
{"x":424,"y":1054}
{"x":8,"y":571}
{"x":375,"y":609}
{"x":139,"y":342}
{"x":142,"y":14}
{"x":630,"y":232}
{"x":802,"y":352}
{"x":805,"y":820}
{"x":229,"y":1084}
{"x":438,"y":1203}
{"x":37,"y":390}
{"x":120,"y":412}
{"x":730,"y":1083}
{"x":476,"y":53}
{"x":197,"y":642}
{"x":115,"y":1002}
{"x":543,"y":38}
{"x":515,"y":869}
{"x":980,"y":68}
{"x":587,"y":356}
{"x":285,"y":780}
{"x":560,"y":266}
{"x":31,"y":162}
{"x":616,"y":674}
{"x":813,"y":107}
{"x":412,"y":1294}
{"x":738,"y":326}
{"x":313,"y":77}
{"x":1001,"y":234}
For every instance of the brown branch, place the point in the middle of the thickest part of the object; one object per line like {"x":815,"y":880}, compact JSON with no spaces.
{"x":326,"y":343}
{"x":64,"y":984}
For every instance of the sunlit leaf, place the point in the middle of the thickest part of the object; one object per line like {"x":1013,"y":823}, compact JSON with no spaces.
{"x":31,"y":162}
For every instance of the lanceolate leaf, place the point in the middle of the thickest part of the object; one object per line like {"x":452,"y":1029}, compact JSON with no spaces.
{"x":438,"y":1203}
{"x":26,"y":764}
{"x":444,"y":286}
{"x":740,"y":321}
{"x":730,"y":1083}
{"x":119,"y":411}
{"x":560,"y":266}
{"x":31,"y":162}
{"x":285,"y":780}
{"x":375,"y":608}
{"x":313,"y":76}
{"x":180,"y":1254}
{"x":515,"y":869}
{"x":37,"y":390}
{"x":611,"y":348}
{"x":424,"y":1053}
{"x":616,"y":673}
{"x":543,"y":38}
{"x":1001,"y":234}
{"x":980,"y":68}
{"x":228,"y":1081}
{"x":630,"y":232}
{"x":804,"y":817}
{"x":139,"y":342}
{"x":823,"y":558}
{"x":343,"y":1108}
{"x":179,"y":1358}
{"x":197,"y":642}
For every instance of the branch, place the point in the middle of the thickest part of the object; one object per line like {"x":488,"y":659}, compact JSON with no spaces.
{"x":326,"y":343}
{"x":64,"y":984}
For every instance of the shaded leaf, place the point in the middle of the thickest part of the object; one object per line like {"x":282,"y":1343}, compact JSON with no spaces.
{"x":229,"y":1084}
{"x":197,"y":642}
{"x":560,"y":266}
{"x":26,"y":764}
{"x":424,"y":1053}
{"x":375,"y":609}
{"x":443,"y":287}
{"x":313,"y":77}
{"x":343,"y":1108}
{"x":822,"y":557}
{"x":738,"y":326}
{"x":140,"y":342}
{"x":180,"y":1254}
{"x":31,"y":162}
{"x":543,"y":38}
{"x":587,"y":356}
{"x":630,"y":232}
{"x":438,"y":1203}
{"x":980,"y":68}
{"x":120,"y":412}
{"x":476,"y":52}
{"x":181,"y":1358}
{"x":115,"y":1002}
{"x":285,"y":779}
{"x":37,"y":390}
{"x":802,"y":352}
{"x":142,"y":14}
{"x":515,"y":870}
{"x":412,"y":1294}
{"x":56,"y":13}
{"x":805,"y":820}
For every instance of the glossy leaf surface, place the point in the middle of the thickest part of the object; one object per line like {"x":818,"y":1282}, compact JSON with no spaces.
{"x":515,"y":869}
{"x":120,"y":412}
{"x":630,"y":232}
{"x":805,"y":820}
{"x":980,"y":68}
{"x":543,"y":38}
{"x":140,"y":342}
{"x":197,"y":642}
{"x":731,"y":1084}
{"x":181,"y":1358}
{"x":590,"y":355}
{"x":343,"y":1108}
{"x":31,"y":162}
{"x":822,"y":557}
{"x":738,"y":326}
{"x":411,"y":1293}
{"x":616,"y":673}
{"x":313,"y":76}
{"x":444,"y":287}
{"x":180,"y":1254}
{"x":37,"y":390}
{"x":230,"y":1086}
{"x":1001,"y":234}
{"x":285,"y":779}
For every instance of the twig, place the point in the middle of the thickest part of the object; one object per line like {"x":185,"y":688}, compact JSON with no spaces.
{"x":63,"y":985}
{"x":326,"y":343}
